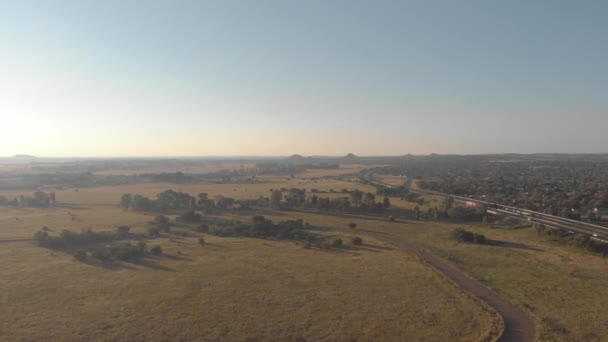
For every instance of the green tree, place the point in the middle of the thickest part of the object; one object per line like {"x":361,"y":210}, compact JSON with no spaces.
{"x":125,"y":201}
{"x":276,"y":196}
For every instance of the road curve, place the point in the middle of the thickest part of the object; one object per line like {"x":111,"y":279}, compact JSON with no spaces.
{"x":518,"y":325}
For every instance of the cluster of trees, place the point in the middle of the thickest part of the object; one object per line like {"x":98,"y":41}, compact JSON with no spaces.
{"x":170,"y":200}
{"x":70,"y":240}
{"x":575,"y":240}
{"x":263,"y":228}
{"x":356,"y":201}
{"x":447,"y":210}
{"x":39,"y":199}
{"x":462,"y":235}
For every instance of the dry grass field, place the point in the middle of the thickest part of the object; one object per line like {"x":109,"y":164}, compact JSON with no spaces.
{"x":564,"y":288}
{"x":230,"y":289}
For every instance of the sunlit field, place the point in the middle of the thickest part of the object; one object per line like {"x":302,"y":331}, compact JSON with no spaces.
{"x":230,"y":289}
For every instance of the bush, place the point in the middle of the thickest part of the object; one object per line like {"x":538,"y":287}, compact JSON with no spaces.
{"x":201,"y":241}
{"x":123,"y":230}
{"x":41,"y":238}
{"x":161,"y":219}
{"x":357,"y":241}
{"x":326,"y":245}
{"x":308,"y":245}
{"x":203,"y":228}
{"x":101,"y":254}
{"x":80,"y":255}
{"x":127,"y":252}
{"x":336,"y":243}
{"x":153,"y":232}
{"x":189,"y":217}
{"x":352,"y":225}
{"x":156,"y":250}
{"x":478,"y":238}
{"x":462,"y":235}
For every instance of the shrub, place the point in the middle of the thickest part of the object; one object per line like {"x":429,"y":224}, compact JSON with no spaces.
{"x":142,"y":247}
{"x":126,"y":251}
{"x":161,"y":219}
{"x":165,"y":227}
{"x":123,"y":230}
{"x":156,"y":250}
{"x":153,"y":232}
{"x":203,"y":228}
{"x":326,"y":245}
{"x":308,"y":245}
{"x":465,"y":236}
{"x":336,"y":243}
{"x":357,"y":241}
{"x":80,"y":255}
{"x":101,"y":254}
{"x":201,"y":241}
{"x":479,"y":238}
{"x":352,"y":225}
{"x":189,"y":217}
{"x":41,"y":238}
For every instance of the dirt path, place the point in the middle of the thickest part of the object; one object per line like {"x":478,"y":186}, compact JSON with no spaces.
{"x":518,"y":325}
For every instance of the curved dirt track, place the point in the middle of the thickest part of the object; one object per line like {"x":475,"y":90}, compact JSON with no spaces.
{"x":518,"y":325}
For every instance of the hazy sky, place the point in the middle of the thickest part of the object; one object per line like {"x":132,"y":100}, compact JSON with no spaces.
{"x":198,"y":78}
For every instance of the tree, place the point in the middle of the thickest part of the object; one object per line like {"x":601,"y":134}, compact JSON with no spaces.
{"x":448,"y":202}
{"x":357,"y":241}
{"x":352,"y":225}
{"x":314,"y":200}
{"x":356,"y":198}
{"x":369,"y":200}
{"x":125,"y":201}
{"x":275,"y":198}
{"x":417,"y":212}
{"x":156,"y":250}
{"x":386,"y":203}
{"x":202,"y":199}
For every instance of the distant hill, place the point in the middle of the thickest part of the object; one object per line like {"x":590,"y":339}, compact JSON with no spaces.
{"x":23,"y":156}
{"x":350,"y":158}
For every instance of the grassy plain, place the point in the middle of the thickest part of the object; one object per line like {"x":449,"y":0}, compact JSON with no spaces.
{"x":231,"y":289}
{"x":564,"y":288}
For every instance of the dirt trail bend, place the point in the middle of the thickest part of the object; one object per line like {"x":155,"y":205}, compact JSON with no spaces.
{"x":518,"y":325}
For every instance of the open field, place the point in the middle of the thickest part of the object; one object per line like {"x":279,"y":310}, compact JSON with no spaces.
{"x":563,"y":288}
{"x":390,"y":180}
{"x":231,"y":289}
{"x":211,"y":167}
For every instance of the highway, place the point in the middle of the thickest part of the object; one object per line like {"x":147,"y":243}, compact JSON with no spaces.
{"x":596,"y":232}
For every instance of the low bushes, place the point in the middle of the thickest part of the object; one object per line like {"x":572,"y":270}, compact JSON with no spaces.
{"x":462,"y":235}
{"x":357,"y":241}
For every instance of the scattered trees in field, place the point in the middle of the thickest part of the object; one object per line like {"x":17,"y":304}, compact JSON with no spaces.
{"x":39,"y":199}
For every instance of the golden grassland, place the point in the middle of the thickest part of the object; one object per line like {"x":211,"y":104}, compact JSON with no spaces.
{"x":564,"y":288}
{"x":208,"y":168}
{"x":231,"y":289}
{"x":390,"y":180}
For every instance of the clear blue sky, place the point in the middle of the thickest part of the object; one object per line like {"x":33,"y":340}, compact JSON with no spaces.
{"x":143,"y":78}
